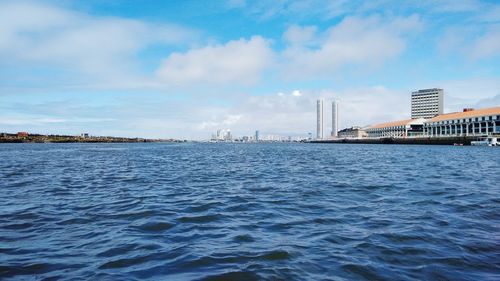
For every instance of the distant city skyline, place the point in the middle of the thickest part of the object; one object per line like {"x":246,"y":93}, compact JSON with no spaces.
{"x":175,"y":70}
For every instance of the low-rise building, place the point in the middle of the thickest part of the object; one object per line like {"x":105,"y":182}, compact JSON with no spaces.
{"x":352,"y":133}
{"x":397,"y":129}
{"x":470,"y":122}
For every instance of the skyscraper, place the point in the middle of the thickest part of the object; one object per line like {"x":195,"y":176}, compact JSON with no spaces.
{"x":257,"y":135}
{"x":335,"y":118}
{"x":427,"y":103}
{"x":319,"y":116}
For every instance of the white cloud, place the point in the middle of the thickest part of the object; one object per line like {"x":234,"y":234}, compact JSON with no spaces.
{"x":487,"y":45}
{"x":295,"y":114}
{"x":102,"y":49}
{"x":364,"y":41}
{"x":472,"y":42}
{"x":299,"y":34}
{"x":241,"y":61}
{"x":264,"y":9}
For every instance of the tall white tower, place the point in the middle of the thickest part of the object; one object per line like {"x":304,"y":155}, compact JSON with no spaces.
{"x":427,"y":103}
{"x":335,"y":118}
{"x":319,"y":119}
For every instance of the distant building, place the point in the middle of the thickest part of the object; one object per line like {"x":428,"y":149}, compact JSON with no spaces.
{"x":85,"y":135}
{"x":335,"y":118}
{"x":319,"y":119}
{"x":427,"y":103}
{"x":397,"y":129}
{"x":22,"y":134}
{"x":470,"y":122}
{"x":352,"y":133}
{"x":228,"y":136}
{"x":257,"y":137}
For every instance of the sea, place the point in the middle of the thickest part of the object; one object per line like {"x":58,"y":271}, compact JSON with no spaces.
{"x":253,"y":211}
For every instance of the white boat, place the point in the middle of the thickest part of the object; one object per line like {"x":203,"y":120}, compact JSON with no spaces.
{"x":487,"y":141}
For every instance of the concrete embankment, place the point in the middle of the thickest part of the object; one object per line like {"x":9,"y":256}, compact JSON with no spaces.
{"x":424,"y":141}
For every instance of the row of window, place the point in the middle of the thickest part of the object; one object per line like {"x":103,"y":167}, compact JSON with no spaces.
{"x":424,"y":107}
{"x":426,"y":98}
{"x":446,"y":131}
{"x":424,"y":94}
{"x":467,"y":120}
{"x":430,"y":102}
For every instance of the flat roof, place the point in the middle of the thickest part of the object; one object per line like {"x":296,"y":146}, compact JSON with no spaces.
{"x":468,"y":114}
{"x":426,"y":90}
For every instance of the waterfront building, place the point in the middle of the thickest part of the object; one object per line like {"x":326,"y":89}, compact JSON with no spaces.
{"x":352,"y":133}
{"x":257,"y":137}
{"x":470,"y":122}
{"x":335,"y":119}
{"x":397,"y":129}
{"x":319,"y":119}
{"x":427,"y":103}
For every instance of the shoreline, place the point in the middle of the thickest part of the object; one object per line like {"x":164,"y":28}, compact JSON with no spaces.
{"x":37,"y":138}
{"x":458,"y":140}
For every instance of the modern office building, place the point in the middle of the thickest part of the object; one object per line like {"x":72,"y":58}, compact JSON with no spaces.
{"x":319,"y":119}
{"x":335,"y":118}
{"x":257,"y":135}
{"x":470,"y":122}
{"x":427,"y":103}
{"x":397,"y":129}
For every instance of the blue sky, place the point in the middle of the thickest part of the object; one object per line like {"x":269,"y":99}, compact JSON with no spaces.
{"x":184,"y":69}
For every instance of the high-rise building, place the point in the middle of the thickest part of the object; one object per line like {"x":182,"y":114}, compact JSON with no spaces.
{"x":319,"y":119}
{"x":335,"y":118}
{"x":427,"y":103}
{"x":257,"y":135}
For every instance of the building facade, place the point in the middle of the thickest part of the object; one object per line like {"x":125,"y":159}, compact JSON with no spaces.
{"x":397,"y":129}
{"x":480,"y":122}
{"x":352,"y":133}
{"x":335,"y":118}
{"x":319,"y":119}
{"x":427,"y":103}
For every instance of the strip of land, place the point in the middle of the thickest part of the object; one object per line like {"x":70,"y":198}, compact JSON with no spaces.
{"x":22,"y":137}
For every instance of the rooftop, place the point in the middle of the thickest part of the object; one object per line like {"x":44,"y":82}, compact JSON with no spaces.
{"x":467,"y":114}
{"x":396,"y":123}
{"x":427,"y":90}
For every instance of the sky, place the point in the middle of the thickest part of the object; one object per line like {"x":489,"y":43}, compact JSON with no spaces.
{"x":183,"y":69}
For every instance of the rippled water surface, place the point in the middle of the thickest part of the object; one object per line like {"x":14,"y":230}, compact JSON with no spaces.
{"x":249,"y":212}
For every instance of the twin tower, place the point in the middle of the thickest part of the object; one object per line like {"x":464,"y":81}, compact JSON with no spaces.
{"x":335,"y":119}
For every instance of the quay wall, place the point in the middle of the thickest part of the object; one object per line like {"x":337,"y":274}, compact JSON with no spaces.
{"x":421,"y":141}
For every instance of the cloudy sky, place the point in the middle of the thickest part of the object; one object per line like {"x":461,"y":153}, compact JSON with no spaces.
{"x":184,"y":69}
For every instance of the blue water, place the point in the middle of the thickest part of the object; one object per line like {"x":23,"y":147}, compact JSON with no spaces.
{"x":249,"y":212}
